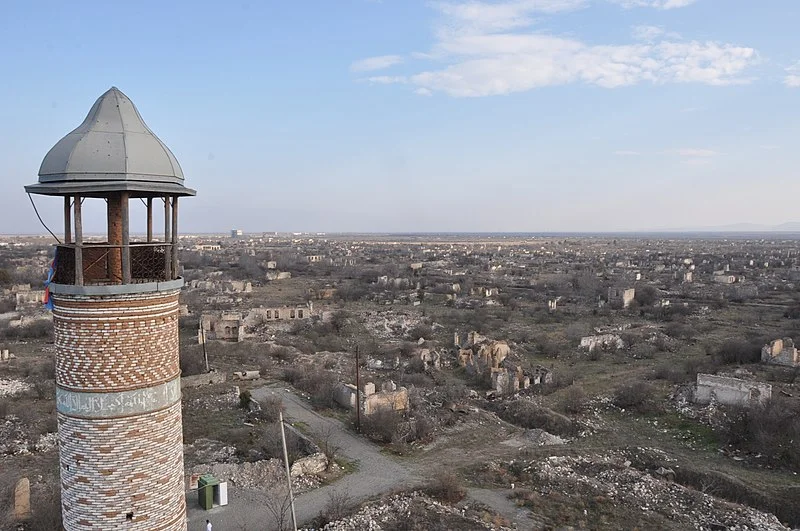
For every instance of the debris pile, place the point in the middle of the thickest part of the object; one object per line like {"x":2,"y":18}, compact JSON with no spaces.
{"x":629,"y":495}
{"x":14,"y":441}
{"x":261,"y":475}
{"x":413,"y":509}
{"x":13,"y":387}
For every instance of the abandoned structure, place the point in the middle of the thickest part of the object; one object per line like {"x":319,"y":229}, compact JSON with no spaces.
{"x":622,"y":296}
{"x":115,"y":313}
{"x":723,"y":278}
{"x":730,"y":391}
{"x":487,"y":353}
{"x":226,"y":326}
{"x":781,"y":352}
{"x":28,"y":300}
{"x":228,"y":286}
{"x":602,"y":342}
{"x":282,"y":313}
{"x":390,"y":397}
{"x":431,"y":359}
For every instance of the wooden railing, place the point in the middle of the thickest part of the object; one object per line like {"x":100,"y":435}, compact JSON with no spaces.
{"x":102,"y":263}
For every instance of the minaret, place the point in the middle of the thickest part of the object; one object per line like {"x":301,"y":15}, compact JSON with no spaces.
{"x":115,"y":313}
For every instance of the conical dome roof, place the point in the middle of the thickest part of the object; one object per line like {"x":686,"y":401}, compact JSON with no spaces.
{"x":112,"y":150}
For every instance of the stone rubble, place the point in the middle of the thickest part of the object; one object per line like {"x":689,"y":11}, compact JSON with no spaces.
{"x":13,"y":440}
{"x":374,"y":516}
{"x":260,"y":475}
{"x":612,"y":476}
{"x":13,"y":387}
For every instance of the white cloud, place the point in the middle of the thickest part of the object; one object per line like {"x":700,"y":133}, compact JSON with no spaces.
{"x":658,"y":4}
{"x":375,"y":63}
{"x":651,"y":33}
{"x":792,"y":79}
{"x":493,"y":64}
{"x":491,"y":16}
{"x":697,"y":162}
{"x":387,"y":80}
{"x":696,"y":152}
{"x":486,"y":48}
{"x":647,"y":33}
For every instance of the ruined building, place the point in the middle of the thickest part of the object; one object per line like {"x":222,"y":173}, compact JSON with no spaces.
{"x":479,"y":350}
{"x":781,"y":352}
{"x":226,"y":326}
{"x":621,"y":296}
{"x":390,"y":397}
{"x":730,"y":391}
{"x":115,"y":313}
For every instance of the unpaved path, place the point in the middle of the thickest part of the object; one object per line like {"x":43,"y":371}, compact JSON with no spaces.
{"x":376,"y":473}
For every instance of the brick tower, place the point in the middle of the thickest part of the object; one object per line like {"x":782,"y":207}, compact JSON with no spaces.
{"x":115,"y":313}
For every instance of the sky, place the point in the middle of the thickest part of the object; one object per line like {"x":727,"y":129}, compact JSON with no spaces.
{"x":423,"y":116}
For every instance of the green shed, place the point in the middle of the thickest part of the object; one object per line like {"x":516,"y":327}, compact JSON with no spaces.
{"x":205,"y":490}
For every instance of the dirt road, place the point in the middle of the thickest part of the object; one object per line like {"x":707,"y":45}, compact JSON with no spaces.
{"x":376,"y":473}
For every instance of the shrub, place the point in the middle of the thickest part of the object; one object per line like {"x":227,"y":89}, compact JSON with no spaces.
{"x":338,"y":505}
{"x":645,"y":295}
{"x":638,"y":396}
{"x":446,"y":486}
{"x":415,"y":366}
{"x":739,"y":351}
{"x":272,"y":447}
{"x":244,"y":399}
{"x":281,"y":353}
{"x":318,"y":383}
{"x":528,"y":415}
{"x":381,"y":426}
{"x":420,"y":331}
{"x":680,"y":331}
{"x":270,"y":408}
{"x":670,"y":373}
{"x":771,"y":429}
{"x":574,"y":400}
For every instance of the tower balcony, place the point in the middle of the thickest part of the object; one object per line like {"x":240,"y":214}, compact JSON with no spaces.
{"x":103,"y":264}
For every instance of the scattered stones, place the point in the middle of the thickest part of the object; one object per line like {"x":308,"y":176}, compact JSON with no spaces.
{"x":616,"y":478}
{"x":13,"y":387}
{"x":387,"y":513}
{"x":543,"y":438}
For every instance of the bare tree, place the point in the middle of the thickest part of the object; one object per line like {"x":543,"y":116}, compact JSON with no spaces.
{"x":327,"y":445}
{"x":278,"y":503}
{"x":338,"y":506}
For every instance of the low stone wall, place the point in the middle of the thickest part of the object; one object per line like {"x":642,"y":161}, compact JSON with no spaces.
{"x":199,"y":380}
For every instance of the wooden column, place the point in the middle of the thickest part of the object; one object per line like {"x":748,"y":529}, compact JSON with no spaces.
{"x":149,"y":219}
{"x":114,"y":215}
{"x":67,"y":220}
{"x":126,"y":239}
{"x":167,"y":250}
{"x":78,"y":242}
{"x":175,"y":237}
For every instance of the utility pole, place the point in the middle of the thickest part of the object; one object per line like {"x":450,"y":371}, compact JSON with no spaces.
{"x":288,"y":471}
{"x":358,"y":396}
{"x":203,"y":335}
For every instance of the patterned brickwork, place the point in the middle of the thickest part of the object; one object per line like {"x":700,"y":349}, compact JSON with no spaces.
{"x":119,"y":471}
{"x":123,"y":473}
{"x":115,"y":343}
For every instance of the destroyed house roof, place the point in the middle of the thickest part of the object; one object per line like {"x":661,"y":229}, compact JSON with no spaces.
{"x":112,"y":150}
